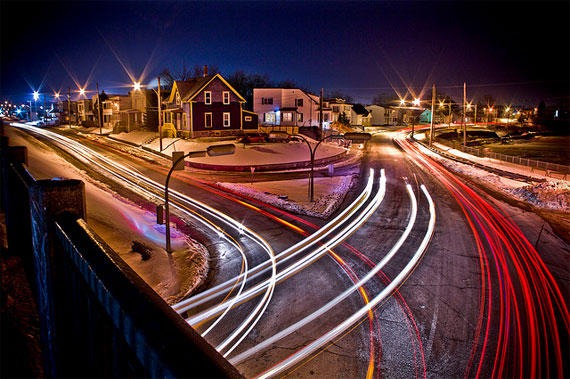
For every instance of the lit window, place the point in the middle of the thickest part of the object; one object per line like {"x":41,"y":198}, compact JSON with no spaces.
{"x":208,"y":120}
{"x":287,"y":116}
{"x":177,"y":98}
{"x":207,"y":97}
{"x":247,"y":118}
{"x":226,"y":97}
{"x":299,"y":117}
{"x":270,"y":117}
{"x":227,"y":119}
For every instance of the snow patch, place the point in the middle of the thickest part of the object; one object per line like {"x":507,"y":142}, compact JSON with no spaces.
{"x":329,"y":194}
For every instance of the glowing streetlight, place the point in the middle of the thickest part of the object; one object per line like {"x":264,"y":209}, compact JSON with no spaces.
{"x":402,"y":102}
{"x":56,"y":95}
{"x":36,"y":95}
{"x":137,"y":86}
{"x":416,"y":102}
{"x":81,"y":91}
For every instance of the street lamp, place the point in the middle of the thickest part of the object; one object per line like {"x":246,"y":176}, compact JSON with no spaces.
{"x":212,"y":151}
{"x":81,"y":91}
{"x":347,"y":136}
{"x":416,"y":102}
{"x":137,"y":86}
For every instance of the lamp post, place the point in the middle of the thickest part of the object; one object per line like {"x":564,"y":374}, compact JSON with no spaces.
{"x":212,"y":151}
{"x":312,"y":150}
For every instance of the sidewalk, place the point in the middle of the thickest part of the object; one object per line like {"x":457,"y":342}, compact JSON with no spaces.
{"x":513,"y":168}
{"x":261,"y":157}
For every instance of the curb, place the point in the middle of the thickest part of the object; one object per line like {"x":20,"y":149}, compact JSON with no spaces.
{"x":247,"y":168}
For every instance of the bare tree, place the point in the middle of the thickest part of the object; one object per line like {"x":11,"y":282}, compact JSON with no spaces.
{"x":183,"y":72}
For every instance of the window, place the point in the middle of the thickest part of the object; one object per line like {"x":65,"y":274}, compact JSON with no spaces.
{"x":299,"y":117}
{"x":335,"y":108}
{"x":177,"y":98}
{"x":208,"y":119}
{"x":207,"y":97}
{"x":270,"y":117}
{"x":185,"y":121}
{"x":226,"y":97}
{"x":226,"y":119}
{"x":287,"y":116}
{"x":247,"y":118}
{"x":299,"y":102}
{"x":266,"y":100}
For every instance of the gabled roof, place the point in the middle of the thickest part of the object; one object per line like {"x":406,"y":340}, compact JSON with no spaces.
{"x":188,"y":89}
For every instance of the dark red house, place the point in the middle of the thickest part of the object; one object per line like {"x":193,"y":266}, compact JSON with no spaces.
{"x":207,"y":106}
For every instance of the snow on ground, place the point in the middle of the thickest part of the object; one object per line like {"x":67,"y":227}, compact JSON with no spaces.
{"x":553,"y":194}
{"x":328,"y":194}
{"x":120,"y":222}
{"x":245,"y":155}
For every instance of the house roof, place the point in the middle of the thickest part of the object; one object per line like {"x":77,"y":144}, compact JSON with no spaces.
{"x":188,"y":89}
{"x":359,"y":109}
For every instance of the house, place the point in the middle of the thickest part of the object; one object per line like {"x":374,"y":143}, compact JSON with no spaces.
{"x":360,"y":116}
{"x":287,"y":109}
{"x":142,"y":112}
{"x":425,"y":117}
{"x":85,"y":113}
{"x":339,"y":106}
{"x":111,"y":109}
{"x":383,"y":115}
{"x":207,"y":106}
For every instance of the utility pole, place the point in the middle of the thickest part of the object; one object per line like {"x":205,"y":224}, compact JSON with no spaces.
{"x":45,"y":108}
{"x":159,"y":115}
{"x":464,"y":125}
{"x":321,"y":118}
{"x":475,"y":115}
{"x":69,"y":105}
{"x":432,"y":105}
{"x":99,"y":111}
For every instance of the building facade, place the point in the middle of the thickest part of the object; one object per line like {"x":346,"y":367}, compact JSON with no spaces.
{"x":383,"y":115}
{"x":207,"y":106}
{"x":287,"y":109}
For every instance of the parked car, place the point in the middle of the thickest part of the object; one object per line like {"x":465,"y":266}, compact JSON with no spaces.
{"x":278,"y":136}
{"x":294,"y":139}
{"x":254,"y":138}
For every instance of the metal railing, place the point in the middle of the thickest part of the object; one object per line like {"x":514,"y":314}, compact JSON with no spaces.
{"x":533,"y":164}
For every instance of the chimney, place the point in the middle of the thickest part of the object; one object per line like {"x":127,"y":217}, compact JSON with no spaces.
{"x":205,"y":70}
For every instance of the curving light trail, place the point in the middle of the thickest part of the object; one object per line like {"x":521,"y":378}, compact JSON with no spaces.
{"x":339,"y":329}
{"x":533,"y":317}
{"x":327,"y":307}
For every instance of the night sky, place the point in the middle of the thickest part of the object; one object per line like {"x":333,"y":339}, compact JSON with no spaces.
{"x":517,"y":52}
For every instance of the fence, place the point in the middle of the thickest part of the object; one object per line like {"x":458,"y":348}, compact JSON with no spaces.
{"x":98,"y":318}
{"x":532,"y":163}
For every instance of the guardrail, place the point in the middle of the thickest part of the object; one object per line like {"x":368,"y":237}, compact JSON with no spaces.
{"x":548,"y":167}
{"x":98,"y":318}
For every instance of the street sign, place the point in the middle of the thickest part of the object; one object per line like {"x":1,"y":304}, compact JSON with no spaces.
{"x":176,"y":155}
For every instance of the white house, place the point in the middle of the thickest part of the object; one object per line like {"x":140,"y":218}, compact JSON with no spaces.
{"x":287,"y":109}
{"x":383,"y":115}
{"x":338,"y":107}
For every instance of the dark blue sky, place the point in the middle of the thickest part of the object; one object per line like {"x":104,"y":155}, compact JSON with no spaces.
{"x":516,"y":51}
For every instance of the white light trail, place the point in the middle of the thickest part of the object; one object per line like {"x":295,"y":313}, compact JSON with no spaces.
{"x":327,"y":307}
{"x":285,"y":255}
{"x":339,"y":329}
{"x":308,"y":259}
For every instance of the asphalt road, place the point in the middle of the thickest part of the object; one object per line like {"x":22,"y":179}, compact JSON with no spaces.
{"x":432,"y":326}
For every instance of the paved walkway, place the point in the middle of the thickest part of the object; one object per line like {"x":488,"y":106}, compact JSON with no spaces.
{"x":514,"y":168}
